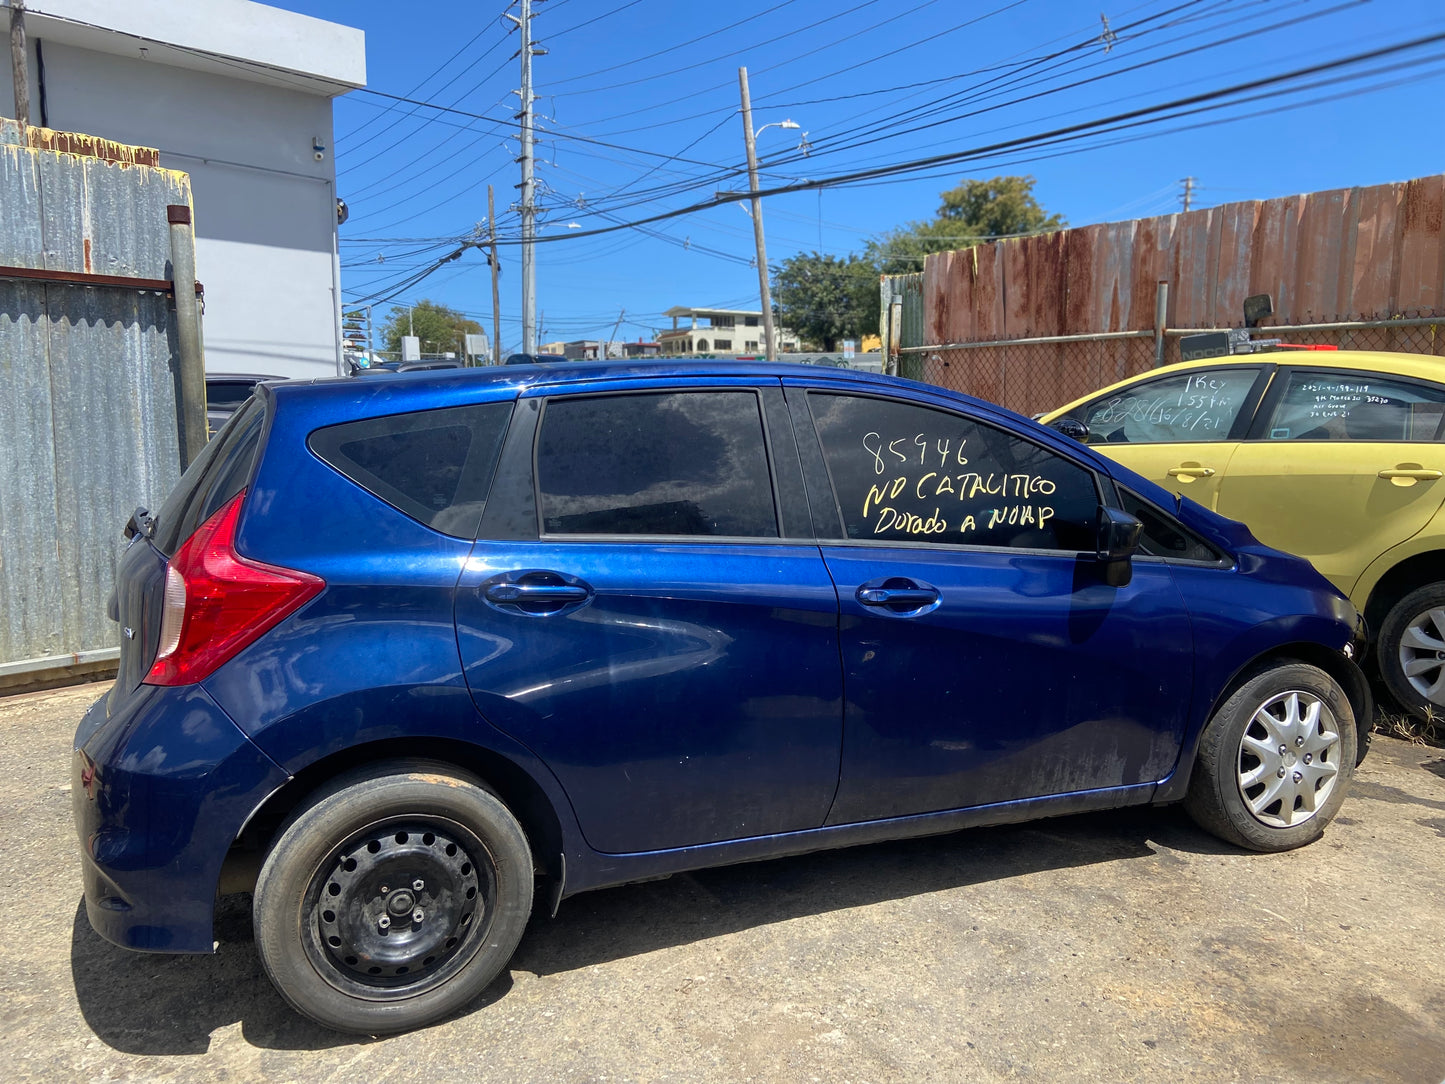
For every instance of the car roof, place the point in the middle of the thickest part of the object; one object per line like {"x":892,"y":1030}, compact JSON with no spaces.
{"x":1420,"y":366}
{"x":255,"y":378}
{"x":428,"y":384}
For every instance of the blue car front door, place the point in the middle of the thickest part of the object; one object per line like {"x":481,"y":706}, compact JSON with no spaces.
{"x":985,"y":660}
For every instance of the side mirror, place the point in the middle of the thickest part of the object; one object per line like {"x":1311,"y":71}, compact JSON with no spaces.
{"x":1071,"y":427}
{"x":1256,"y":308}
{"x":1118,"y":541}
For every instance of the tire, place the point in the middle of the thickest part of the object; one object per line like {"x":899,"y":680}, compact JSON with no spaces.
{"x":1290,"y":705}
{"x":1407,"y":642}
{"x":344,"y":931}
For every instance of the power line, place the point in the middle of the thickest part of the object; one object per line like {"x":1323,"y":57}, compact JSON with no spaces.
{"x":1213,"y":99}
{"x":893,"y":130}
{"x":588,"y":22}
{"x":431,"y":75}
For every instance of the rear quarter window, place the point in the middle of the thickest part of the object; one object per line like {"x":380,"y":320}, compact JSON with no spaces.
{"x":433,"y":465}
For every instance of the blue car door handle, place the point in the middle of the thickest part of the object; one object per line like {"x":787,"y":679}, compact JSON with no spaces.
{"x":897,"y":596}
{"x":536,"y":592}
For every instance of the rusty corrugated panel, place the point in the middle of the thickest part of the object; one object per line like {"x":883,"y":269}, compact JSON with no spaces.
{"x":1231,"y":267}
{"x":1146,"y":265}
{"x":88,"y":146}
{"x":1271,"y":261}
{"x":1191,"y":268}
{"x":942,"y":287}
{"x":1368,"y":253}
{"x":30,"y":583}
{"x":89,"y":414}
{"x":1315,"y":295}
{"x":1421,"y":291}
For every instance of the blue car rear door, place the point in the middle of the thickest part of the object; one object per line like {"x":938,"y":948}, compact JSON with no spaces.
{"x":647,"y":610}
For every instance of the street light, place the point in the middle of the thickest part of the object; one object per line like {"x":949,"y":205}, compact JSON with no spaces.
{"x":776,"y":124}
{"x":750,"y":137}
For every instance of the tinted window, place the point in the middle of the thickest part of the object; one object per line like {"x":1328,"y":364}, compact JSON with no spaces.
{"x":212,"y":479}
{"x":1165,"y":536}
{"x":1197,"y":406}
{"x":1355,"y":406}
{"x":434,"y":465}
{"x":673,"y":463}
{"x":908,"y":473}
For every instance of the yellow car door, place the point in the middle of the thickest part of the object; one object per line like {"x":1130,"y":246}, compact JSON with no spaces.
{"x":1179,"y":428}
{"x":1339,"y":466}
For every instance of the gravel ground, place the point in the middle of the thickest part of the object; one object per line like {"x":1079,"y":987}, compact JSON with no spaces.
{"x":1121,"y":946}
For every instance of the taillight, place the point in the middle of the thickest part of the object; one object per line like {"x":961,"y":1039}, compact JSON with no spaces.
{"x":218,"y":602}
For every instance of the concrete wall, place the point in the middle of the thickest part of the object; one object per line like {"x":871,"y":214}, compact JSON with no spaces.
{"x":265,"y":209}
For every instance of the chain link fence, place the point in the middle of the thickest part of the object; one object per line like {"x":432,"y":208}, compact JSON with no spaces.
{"x":1035,"y":375}
{"x":1031,"y":375}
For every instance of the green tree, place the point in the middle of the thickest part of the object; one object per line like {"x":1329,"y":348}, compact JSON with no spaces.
{"x":968,"y":215}
{"x":439,"y":328}
{"x":827,"y":298}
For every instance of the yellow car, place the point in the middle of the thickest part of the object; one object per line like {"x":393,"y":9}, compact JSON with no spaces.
{"x":1335,"y":456}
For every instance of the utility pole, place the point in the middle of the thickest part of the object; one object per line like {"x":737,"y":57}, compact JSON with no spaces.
{"x":772,"y":351}
{"x":19,"y":65}
{"x":615,"y":326}
{"x":496,"y":296}
{"x":529,"y":208}
{"x":1188,"y":183}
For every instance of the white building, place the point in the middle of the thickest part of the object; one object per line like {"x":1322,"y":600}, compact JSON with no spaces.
{"x":238,"y":95}
{"x":722,"y":331}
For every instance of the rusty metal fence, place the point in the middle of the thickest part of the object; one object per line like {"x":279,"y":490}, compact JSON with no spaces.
{"x":91,"y":397}
{"x":1035,"y":375}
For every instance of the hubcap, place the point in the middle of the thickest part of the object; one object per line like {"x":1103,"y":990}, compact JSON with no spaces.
{"x":1422,"y":655}
{"x":1289,"y":759}
{"x":399,"y":907}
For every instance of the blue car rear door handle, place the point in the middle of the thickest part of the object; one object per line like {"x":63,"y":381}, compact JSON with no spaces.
{"x":895,"y":596}
{"x":536,"y":592}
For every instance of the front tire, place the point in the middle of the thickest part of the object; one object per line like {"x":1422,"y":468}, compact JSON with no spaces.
{"x":1411,"y":651}
{"x":392,"y":899}
{"x":1275,"y":761}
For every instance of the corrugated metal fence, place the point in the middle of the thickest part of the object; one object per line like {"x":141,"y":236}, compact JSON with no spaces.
{"x":1035,"y":322}
{"x":88,"y":415}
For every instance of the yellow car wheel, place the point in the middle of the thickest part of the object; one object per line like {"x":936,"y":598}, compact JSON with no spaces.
{"x":1411,"y":651}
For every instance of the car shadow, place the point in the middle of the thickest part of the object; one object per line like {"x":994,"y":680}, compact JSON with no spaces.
{"x":599,"y":927}
{"x":141,"y":1003}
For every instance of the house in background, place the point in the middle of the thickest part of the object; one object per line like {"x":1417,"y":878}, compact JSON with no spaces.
{"x":610,"y":349}
{"x":582,"y":350}
{"x":725,"y":331}
{"x":239,"y":96}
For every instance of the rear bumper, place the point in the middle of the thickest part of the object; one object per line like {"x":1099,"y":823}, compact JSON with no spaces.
{"x":160,"y":789}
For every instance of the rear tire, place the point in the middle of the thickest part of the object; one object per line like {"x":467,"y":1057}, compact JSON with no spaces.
{"x":1275,"y":761}
{"x":1411,"y":651}
{"x":392,"y":899}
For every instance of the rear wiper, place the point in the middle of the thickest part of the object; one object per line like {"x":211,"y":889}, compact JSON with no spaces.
{"x":141,"y":522}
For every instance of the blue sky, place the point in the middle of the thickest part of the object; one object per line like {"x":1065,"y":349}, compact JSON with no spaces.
{"x":638,"y":105}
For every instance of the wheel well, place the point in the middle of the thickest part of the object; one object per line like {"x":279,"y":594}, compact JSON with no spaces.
{"x":1394,"y":585}
{"x":1350,"y":679}
{"x":517,"y":790}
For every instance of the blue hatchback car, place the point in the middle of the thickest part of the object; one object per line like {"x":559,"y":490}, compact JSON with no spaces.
{"x":399,"y":655}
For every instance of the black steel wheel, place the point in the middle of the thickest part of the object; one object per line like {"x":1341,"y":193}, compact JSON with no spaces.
{"x":392,"y":899}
